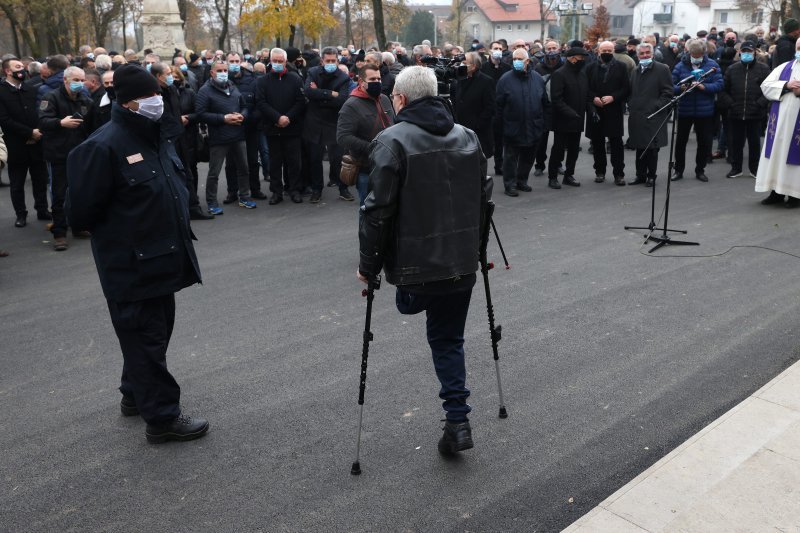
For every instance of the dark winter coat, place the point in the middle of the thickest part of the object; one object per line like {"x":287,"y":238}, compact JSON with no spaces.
{"x":569,"y":96}
{"x":784,"y":50}
{"x":741,"y":97}
{"x":521,"y":106}
{"x":546,"y":70}
{"x":212,"y":104}
{"x":58,"y":140}
{"x":613,"y":81}
{"x":278,"y":95}
{"x":126,"y":186}
{"x":19,"y":115}
{"x":650,"y":90}
{"x":670,"y":56}
{"x":360,"y":120}
{"x":387,"y":80}
{"x":697,"y":103}
{"x":52,"y":83}
{"x":495,"y":71}
{"x":322,"y":110}
{"x":473,"y":103}
{"x":246,"y":81}
{"x":171,"y":123}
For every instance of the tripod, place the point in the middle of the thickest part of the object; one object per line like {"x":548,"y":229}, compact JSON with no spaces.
{"x":664,"y":239}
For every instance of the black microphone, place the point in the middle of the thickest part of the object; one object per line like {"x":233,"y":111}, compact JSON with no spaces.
{"x":692,"y":78}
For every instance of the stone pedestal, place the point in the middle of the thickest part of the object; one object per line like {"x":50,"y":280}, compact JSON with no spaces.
{"x":162,"y":28}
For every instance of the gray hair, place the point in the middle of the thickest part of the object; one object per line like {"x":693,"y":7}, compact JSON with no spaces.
{"x":415,"y":83}
{"x":216,"y":62}
{"x":377,"y":57}
{"x":69,"y":71}
{"x":160,"y":68}
{"x":643,"y":46}
{"x":103,"y":61}
{"x":694,"y":46}
{"x":329,"y":51}
{"x":277,"y":52}
{"x":418,"y":50}
{"x":34,"y":67}
{"x":475,"y":58}
{"x":388,"y":58}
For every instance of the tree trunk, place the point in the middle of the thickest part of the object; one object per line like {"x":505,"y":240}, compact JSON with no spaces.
{"x":292,"y":34}
{"x":329,"y":37}
{"x":380,"y":32}
{"x":124,"y":29}
{"x":224,"y":15}
{"x":348,"y":24}
{"x":15,"y":37}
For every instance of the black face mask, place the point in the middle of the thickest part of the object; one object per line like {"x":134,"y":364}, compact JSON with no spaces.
{"x":374,"y":88}
{"x":606,"y":57}
{"x":20,"y":75}
{"x":110,"y":92}
{"x":577,"y":65}
{"x":730,"y":43}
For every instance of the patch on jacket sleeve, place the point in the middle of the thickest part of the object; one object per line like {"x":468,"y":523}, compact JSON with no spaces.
{"x":44,"y":104}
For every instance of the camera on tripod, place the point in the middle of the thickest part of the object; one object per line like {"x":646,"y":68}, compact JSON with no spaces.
{"x":447,"y":71}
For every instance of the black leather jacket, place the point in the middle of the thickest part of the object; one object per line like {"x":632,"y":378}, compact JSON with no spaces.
{"x":422,"y":216}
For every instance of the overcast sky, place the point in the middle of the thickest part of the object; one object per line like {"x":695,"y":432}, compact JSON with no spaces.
{"x":437,"y":2}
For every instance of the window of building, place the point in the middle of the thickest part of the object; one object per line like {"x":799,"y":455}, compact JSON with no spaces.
{"x":476,"y":31}
{"x":526,"y":26}
{"x":471,"y":9}
{"x":723,"y":17}
{"x":666,"y":8}
{"x":757,"y":17}
{"x":510,"y":27}
{"x":498,"y":27}
{"x":618,"y":22}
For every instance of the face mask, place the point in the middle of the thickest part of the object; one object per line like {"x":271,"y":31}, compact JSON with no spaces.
{"x":184,"y":68}
{"x":222,"y":77}
{"x":747,"y":57}
{"x":578,"y":65}
{"x":19,"y":75}
{"x":277,"y":67}
{"x":729,"y":43}
{"x":75,"y":86}
{"x":330,"y":68}
{"x":340,"y":58}
{"x":148,"y":66}
{"x":673,"y":45}
{"x":170,"y":79}
{"x":110,"y":92}
{"x":247,"y":57}
{"x":519,"y":64}
{"x":234,"y":68}
{"x":90,"y":55}
{"x":797,"y":55}
{"x":697,"y":60}
{"x":606,"y":57}
{"x":374,"y":88}
{"x":151,"y":107}
{"x":497,"y":54}
{"x":646,"y":62}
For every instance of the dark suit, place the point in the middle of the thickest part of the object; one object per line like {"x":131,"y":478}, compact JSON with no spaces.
{"x":569,"y":94}
{"x":608,"y":120}
{"x":473,"y":102}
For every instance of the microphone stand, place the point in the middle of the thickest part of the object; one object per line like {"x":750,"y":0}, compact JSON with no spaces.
{"x":664,"y":239}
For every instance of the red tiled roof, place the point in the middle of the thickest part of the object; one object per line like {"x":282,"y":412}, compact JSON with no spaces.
{"x":509,"y":10}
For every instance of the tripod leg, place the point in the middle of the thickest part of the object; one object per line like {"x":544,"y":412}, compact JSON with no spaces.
{"x":500,"y":245}
{"x":370,"y":294}
{"x":496,"y":334}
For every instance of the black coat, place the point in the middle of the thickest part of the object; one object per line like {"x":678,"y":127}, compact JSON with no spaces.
{"x":669,"y":56}
{"x":741,"y":97}
{"x":473,"y":102}
{"x":521,"y":106}
{"x":569,"y":95}
{"x":19,"y":115}
{"x":650,"y":90}
{"x":212,"y":104}
{"x":278,"y":95}
{"x":246,"y":81}
{"x":171,"y":123}
{"x":126,"y":188}
{"x":322,"y":110}
{"x":495,"y":71}
{"x":360,"y":120}
{"x":56,"y":105}
{"x":613,"y":82}
{"x":784,"y":50}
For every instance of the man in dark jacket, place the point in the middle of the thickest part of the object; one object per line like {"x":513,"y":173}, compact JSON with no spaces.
{"x":279,"y":98}
{"x":55,"y":78}
{"x":220,"y":105}
{"x":495,"y":67}
{"x":785,"y":45}
{"x":609,"y":86}
{"x":65,"y":119}
{"x":473,"y":102}
{"x":364,"y":115}
{"x":19,"y":120}
{"x":670,"y":51}
{"x":746,"y":108}
{"x":569,"y":94}
{"x":327,"y":89}
{"x":421,"y":225}
{"x":102,"y":109}
{"x":521,"y":106}
{"x":551,"y":62}
{"x":123,"y":186}
{"x":697,"y":108}
{"x":650,"y":89}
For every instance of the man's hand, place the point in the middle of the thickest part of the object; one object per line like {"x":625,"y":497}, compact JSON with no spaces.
{"x":361,"y":277}
{"x":283,"y":121}
{"x":597,"y":101}
{"x":36,"y":135}
{"x":234,"y":119}
{"x":185,"y":119}
{"x":792,"y":85}
{"x":334,"y":94}
{"x":607,"y":100}
{"x":701,"y":86}
{"x":313,"y":85}
{"x":71,"y":123}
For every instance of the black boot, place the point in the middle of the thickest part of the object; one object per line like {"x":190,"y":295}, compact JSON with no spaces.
{"x":457,"y":437}
{"x":128,"y":406}
{"x":773,"y":198}
{"x":182,"y":428}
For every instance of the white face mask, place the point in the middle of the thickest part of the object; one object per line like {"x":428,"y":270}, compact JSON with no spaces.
{"x":151,"y":107}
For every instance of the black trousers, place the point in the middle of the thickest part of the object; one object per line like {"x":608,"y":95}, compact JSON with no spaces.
{"x":144,"y":329}
{"x":739,"y":131}
{"x":251,"y":144}
{"x":22,"y":160}
{"x":284,"y":150}
{"x":646,"y":167}
{"x":58,"y":193}
{"x":568,"y":141}
{"x":517,"y":165}
{"x":617,"y":155}
{"x":191,"y":178}
{"x":704,"y":128}
{"x":541,"y":151}
{"x":497,"y":131}
{"x":314,"y":162}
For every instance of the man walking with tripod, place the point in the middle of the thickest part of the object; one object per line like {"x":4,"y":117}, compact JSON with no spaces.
{"x":421,"y":224}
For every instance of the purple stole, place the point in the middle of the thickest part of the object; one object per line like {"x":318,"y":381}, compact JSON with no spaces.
{"x":794,"y":144}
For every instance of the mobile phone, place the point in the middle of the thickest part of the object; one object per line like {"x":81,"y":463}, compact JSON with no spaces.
{"x":78,"y":116}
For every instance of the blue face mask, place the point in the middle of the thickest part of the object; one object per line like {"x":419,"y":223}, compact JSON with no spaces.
{"x":673,"y":44}
{"x":222,"y":77}
{"x":797,"y":55}
{"x":147,"y":66}
{"x":330,"y":68}
{"x":234,"y":68}
{"x":646,"y":62}
{"x":247,"y":57}
{"x":697,"y":60}
{"x":747,"y":57}
{"x":75,"y":86}
{"x":170,"y":79}
{"x":519,"y":64}
{"x":184,"y":68}
{"x":277,"y":67}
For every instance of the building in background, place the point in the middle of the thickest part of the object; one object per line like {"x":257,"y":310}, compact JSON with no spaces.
{"x":666,"y":17}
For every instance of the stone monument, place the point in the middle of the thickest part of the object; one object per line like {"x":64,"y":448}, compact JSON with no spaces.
{"x":162,"y":29}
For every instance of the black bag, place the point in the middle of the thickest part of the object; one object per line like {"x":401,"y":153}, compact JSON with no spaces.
{"x":203,"y":152}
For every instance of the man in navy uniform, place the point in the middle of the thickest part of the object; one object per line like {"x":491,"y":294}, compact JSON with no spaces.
{"x":126,"y":186}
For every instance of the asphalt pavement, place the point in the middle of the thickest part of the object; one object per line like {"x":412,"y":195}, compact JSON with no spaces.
{"x":610,"y":359}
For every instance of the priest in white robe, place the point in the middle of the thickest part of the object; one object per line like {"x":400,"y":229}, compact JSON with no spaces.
{"x":779,"y":167}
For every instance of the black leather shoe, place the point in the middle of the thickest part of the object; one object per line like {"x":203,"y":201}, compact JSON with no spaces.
{"x":650,"y":182}
{"x":21,"y":222}
{"x":512,"y":192}
{"x":296,"y":198}
{"x":677,"y":176}
{"x":275,"y":199}
{"x":792,"y":202}
{"x":524,"y":187}
{"x":599,"y":178}
{"x":619,"y":181}
{"x":701,"y":177}
{"x":572,"y":182}
{"x":773,"y":198}
{"x":258,"y":195}
{"x":457,"y":437}
{"x":637,"y":181}
{"x":553,"y":183}
{"x":43,"y":215}
{"x":231,"y":198}
{"x":128,"y":406}
{"x":197,"y":214}
{"x":538,"y":172}
{"x":182,"y":428}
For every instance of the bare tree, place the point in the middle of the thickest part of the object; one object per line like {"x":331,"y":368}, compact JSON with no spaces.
{"x":224,"y":11}
{"x":102,"y":13}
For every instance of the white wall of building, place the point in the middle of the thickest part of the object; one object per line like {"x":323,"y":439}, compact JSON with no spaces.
{"x":476,"y":26}
{"x":687,"y":17}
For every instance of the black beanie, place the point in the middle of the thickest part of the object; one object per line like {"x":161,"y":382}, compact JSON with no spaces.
{"x":193,"y":57}
{"x":132,"y":82}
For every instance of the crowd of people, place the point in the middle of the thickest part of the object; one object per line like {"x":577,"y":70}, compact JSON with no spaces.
{"x":273,"y":116}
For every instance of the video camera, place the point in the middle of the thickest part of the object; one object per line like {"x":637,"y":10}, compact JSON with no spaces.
{"x":446,"y":70}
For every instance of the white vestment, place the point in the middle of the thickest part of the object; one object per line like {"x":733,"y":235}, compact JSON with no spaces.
{"x":774,"y":174}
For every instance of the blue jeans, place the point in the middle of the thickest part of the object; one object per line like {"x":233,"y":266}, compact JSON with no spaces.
{"x":263,"y":153}
{"x":446,"y":315}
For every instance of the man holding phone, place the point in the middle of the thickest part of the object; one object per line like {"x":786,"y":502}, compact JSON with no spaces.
{"x":65,"y":117}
